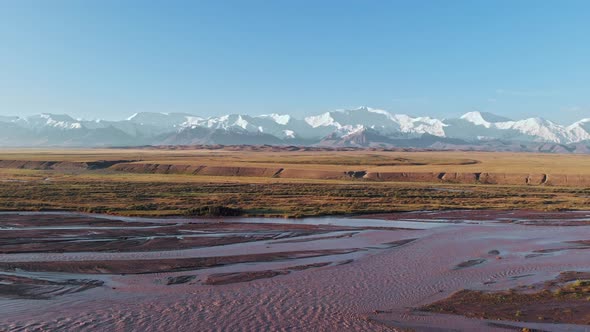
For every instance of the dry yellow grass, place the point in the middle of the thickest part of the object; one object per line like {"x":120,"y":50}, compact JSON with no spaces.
{"x":106,"y":190}
{"x":371,"y":161}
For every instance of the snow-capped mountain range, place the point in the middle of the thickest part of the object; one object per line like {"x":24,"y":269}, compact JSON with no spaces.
{"x":362,"y":126}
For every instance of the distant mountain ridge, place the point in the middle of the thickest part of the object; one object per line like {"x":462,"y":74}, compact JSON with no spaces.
{"x":362,"y":126}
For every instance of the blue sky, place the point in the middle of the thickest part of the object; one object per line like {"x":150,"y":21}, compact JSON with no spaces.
{"x":112,"y":58}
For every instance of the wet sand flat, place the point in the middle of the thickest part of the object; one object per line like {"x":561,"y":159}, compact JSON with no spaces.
{"x":294,"y":275}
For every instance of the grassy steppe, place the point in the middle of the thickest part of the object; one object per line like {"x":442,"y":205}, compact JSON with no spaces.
{"x":175,"y":194}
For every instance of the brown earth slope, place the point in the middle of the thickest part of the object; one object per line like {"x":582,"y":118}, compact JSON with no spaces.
{"x":573,"y":180}
{"x":299,"y":172}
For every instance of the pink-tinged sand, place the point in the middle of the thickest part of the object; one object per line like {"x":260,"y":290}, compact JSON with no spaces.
{"x":374,"y":292}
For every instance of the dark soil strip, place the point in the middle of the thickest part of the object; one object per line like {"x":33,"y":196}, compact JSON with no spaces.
{"x":16,"y":287}
{"x":180,"y":280}
{"x":469,"y":263}
{"x":230,"y":278}
{"x":124,"y":244}
{"x":563,"y":300}
{"x":162,"y":265}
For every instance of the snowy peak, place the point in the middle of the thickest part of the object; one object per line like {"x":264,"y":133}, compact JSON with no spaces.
{"x":48,"y":120}
{"x":370,"y":123}
{"x":483,"y":118}
{"x":536,"y":129}
{"x":585,"y":123}
{"x":579,"y":131}
{"x":158,"y":119}
{"x":227,"y":122}
{"x":379,"y":120}
{"x":282,"y":119}
{"x":476,"y":118}
{"x":135,"y":115}
{"x":322,"y":120}
{"x":340,"y":118}
{"x":420,"y":125}
{"x":542,"y":129}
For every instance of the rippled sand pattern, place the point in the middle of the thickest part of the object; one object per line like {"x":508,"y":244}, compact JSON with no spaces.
{"x":372,"y":288}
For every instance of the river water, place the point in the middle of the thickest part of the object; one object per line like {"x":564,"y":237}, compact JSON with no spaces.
{"x":372,"y":288}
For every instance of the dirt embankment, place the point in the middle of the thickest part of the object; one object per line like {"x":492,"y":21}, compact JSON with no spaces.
{"x":59,"y":165}
{"x":433,"y":177}
{"x":268,"y":172}
{"x":574,"y":180}
{"x":569,"y":180}
{"x":197,"y":170}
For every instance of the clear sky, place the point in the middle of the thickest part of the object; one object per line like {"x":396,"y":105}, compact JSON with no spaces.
{"x":112,"y":58}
